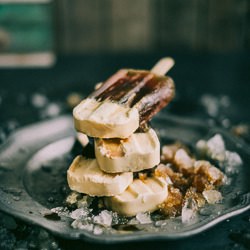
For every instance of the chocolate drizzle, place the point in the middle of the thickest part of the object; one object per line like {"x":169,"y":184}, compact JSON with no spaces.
{"x":148,"y":92}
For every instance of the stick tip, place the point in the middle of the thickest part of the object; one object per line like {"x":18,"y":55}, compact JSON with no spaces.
{"x":163,"y":66}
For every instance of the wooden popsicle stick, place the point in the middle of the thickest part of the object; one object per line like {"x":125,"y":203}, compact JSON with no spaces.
{"x":163,"y":66}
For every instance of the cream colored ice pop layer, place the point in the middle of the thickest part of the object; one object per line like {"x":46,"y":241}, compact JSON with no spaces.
{"x":138,"y":152}
{"x":141,"y":196}
{"x":105,"y":119}
{"x":85,"y":176}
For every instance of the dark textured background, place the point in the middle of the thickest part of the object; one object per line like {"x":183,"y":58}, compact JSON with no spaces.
{"x":82,"y":26}
{"x":117,"y":25}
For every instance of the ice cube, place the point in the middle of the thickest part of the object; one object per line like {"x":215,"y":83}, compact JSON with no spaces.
{"x":84,"y":225}
{"x":143,"y":218}
{"x":216,"y":147}
{"x":104,"y":218}
{"x":211,"y":104}
{"x":201,"y":146}
{"x":212,"y":196}
{"x":183,"y":161}
{"x":79,"y":213}
{"x":51,"y":110}
{"x":188,"y":212}
{"x":133,"y":221}
{"x":39,"y":100}
{"x":97,"y":230}
{"x":232,"y":162}
{"x":61,"y":211}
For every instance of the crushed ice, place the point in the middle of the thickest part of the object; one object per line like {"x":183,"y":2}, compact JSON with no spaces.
{"x":143,"y":218}
{"x":51,"y":110}
{"x":232,"y":161}
{"x":212,"y":196}
{"x":80,"y":213}
{"x":211,"y":104}
{"x":39,"y":100}
{"x":45,"y":108}
{"x":61,"y":211}
{"x":140,"y":218}
{"x":96,"y":224}
{"x":215,"y":105}
{"x":215,"y":149}
{"x":84,"y":219}
{"x":104,"y":218}
{"x":84,"y":225}
{"x":189,"y":210}
{"x":82,"y":216}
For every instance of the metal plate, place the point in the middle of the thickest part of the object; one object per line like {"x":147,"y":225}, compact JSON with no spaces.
{"x":33,"y":164}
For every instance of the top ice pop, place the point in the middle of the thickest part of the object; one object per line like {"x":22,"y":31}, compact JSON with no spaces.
{"x":127,"y":100}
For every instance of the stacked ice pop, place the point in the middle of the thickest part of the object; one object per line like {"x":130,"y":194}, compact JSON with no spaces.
{"x":116,"y":115}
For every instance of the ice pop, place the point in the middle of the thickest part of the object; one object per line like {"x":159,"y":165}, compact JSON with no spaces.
{"x":141,"y":196}
{"x":85,"y":176}
{"x":127,"y":100}
{"x":138,"y":152}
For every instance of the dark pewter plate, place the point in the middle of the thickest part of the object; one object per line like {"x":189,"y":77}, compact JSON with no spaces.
{"x":33,"y":164}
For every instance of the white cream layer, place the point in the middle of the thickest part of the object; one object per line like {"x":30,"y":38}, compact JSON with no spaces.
{"x":141,"y":196}
{"x":138,"y":152}
{"x":85,"y":176}
{"x":105,"y":119}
